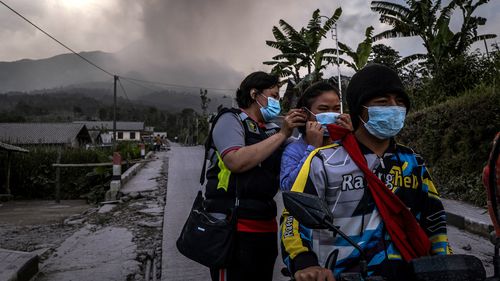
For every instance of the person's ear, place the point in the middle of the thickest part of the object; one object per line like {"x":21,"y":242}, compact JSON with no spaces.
{"x":253,"y":94}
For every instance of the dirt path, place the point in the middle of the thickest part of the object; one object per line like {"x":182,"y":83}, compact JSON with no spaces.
{"x":116,"y":242}
{"x":32,"y":225}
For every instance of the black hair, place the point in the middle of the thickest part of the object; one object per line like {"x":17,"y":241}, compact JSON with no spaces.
{"x":310,"y":95}
{"x":258,"y":80}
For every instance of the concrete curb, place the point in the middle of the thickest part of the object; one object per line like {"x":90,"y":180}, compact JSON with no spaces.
{"x":469,"y":224}
{"x":467,"y":217}
{"x":17,"y":266}
{"x":132,"y":171}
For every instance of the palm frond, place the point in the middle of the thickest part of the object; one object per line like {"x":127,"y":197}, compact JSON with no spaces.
{"x":447,"y":11}
{"x":436,"y":7}
{"x":331,"y":51}
{"x":278,"y":34}
{"x":483,"y":37}
{"x":348,"y":64}
{"x":344,"y":48}
{"x":384,"y":8}
{"x":270,"y":62}
{"x":291,"y":32}
{"x":277,"y":45}
{"x":315,"y":21}
{"x":395,"y":22}
{"x":331,"y":21}
{"x":289,"y":56}
{"x":409,"y":59}
{"x":392,"y":33}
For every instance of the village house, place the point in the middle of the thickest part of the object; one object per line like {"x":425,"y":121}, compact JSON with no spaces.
{"x":102,"y":131}
{"x":58,"y":134}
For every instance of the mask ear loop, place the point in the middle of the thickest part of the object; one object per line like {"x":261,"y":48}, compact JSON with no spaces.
{"x":310,"y":112}
{"x":257,"y":92}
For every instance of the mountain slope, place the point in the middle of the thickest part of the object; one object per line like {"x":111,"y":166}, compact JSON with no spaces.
{"x":58,"y":71}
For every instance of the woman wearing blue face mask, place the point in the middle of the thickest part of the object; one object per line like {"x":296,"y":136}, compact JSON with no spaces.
{"x":321,"y":103}
{"x":247,"y":152}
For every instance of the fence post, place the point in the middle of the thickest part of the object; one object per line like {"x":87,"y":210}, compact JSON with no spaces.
{"x":143,"y":150}
{"x":7,"y":187}
{"x":116,"y":180}
{"x":58,"y":177}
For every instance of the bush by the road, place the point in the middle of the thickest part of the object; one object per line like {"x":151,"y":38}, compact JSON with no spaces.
{"x":455,"y":137}
{"x":33,"y":176}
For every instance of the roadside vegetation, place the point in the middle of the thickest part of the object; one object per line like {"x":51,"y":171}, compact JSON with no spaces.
{"x":454,"y":89}
{"x":33,"y":176}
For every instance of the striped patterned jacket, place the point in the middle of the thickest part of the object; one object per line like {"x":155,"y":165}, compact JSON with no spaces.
{"x":330,"y":174}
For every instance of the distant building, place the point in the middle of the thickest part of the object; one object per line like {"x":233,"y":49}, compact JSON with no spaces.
{"x":63,"y":134}
{"x":103,"y":130}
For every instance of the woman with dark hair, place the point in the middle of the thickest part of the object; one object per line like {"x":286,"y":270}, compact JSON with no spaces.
{"x":321,"y":102}
{"x":247,"y":155}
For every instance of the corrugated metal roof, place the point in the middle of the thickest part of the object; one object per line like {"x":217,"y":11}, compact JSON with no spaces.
{"x":9,"y":147}
{"x":108,"y":125}
{"x":39,"y":133}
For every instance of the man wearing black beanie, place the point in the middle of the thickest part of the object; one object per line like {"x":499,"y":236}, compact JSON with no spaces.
{"x":371,"y":81}
{"x":352,"y":177}
{"x":378,"y":105}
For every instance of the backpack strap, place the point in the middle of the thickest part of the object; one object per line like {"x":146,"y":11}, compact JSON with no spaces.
{"x":209,"y":139}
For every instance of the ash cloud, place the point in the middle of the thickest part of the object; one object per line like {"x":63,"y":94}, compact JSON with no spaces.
{"x":191,"y":42}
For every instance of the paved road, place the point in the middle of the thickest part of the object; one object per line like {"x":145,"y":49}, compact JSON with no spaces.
{"x":183,"y":183}
{"x":469,"y":244}
{"x":183,"y":170}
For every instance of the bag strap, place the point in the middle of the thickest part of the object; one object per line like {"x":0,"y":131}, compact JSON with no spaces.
{"x":209,"y":139}
{"x":208,"y":146}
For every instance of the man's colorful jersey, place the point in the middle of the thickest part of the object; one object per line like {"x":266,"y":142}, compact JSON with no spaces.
{"x":335,"y":178}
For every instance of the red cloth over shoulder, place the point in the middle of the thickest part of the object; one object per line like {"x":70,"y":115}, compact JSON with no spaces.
{"x":409,"y":238}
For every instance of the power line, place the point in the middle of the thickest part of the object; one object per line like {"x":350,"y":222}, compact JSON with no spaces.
{"x":53,"y":38}
{"x":176,"y":85}
{"x":123,"y":89}
{"x":141,"y":85}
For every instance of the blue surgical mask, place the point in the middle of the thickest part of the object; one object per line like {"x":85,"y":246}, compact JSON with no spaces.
{"x":271,"y":111}
{"x":325,"y":118}
{"x":385,"y":121}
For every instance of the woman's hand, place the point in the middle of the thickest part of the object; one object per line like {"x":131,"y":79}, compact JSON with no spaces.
{"x":344,"y":120}
{"x":314,"y":273}
{"x":314,"y":133}
{"x":293,"y":119}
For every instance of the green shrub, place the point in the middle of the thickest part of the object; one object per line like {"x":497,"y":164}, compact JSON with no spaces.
{"x":455,"y":137}
{"x":33,"y":176}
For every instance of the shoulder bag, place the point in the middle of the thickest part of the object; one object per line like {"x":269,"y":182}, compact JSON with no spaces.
{"x":205,"y":238}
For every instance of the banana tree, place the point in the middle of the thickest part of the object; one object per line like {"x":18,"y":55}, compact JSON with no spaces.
{"x":299,"y":49}
{"x":358,"y":58}
{"x":430,"y":21}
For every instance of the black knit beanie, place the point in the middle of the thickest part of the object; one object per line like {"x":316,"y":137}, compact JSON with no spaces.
{"x":372,"y":81}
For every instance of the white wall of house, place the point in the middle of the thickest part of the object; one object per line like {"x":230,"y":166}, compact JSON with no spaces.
{"x":125,"y":135}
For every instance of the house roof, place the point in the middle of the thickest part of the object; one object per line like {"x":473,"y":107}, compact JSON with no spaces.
{"x":40,"y":133}
{"x":108,"y":125}
{"x":9,"y":147}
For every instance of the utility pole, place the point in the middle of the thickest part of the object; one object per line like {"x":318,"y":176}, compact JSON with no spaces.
{"x":336,"y":37}
{"x":486,"y":47}
{"x":196,"y":131}
{"x":114,"y":109}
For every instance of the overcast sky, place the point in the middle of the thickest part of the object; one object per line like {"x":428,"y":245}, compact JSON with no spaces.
{"x":218,"y":35}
